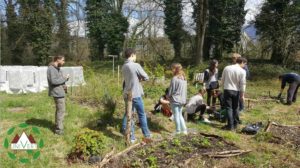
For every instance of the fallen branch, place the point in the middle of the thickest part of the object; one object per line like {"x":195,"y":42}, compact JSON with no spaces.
{"x":106,"y":159}
{"x":268,"y":126}
{"x":278,"y":125}
{"x":118,"y":154}
{"x":217,"y":137}
{"x":225,"y":154}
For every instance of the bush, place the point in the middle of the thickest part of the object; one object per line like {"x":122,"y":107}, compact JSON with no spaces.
{"x":154,"y":71}
{"x":88,"y":143}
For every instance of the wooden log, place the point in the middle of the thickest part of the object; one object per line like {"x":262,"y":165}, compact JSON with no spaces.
{"x":128,"y":106}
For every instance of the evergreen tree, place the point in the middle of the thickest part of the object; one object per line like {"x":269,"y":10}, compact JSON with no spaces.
{"x":37,"y":16}
{"x":106,"y":25}
{"x":63,"y":34}
{"x":15,"y":36}
{"x":278,"y":25}
{"x":174,"y":25}
{"x":226,"y":18}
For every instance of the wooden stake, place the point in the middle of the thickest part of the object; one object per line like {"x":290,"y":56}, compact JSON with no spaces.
{"x":118,"y":75}
{"x":128,"y":105}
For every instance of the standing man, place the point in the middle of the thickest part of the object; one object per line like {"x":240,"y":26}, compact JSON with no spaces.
{"x":234,"y":83}
{"x":57,"y":88}
{"x":234,"y":57}
{"x":133,"y":73}
{"x":294,"y":82}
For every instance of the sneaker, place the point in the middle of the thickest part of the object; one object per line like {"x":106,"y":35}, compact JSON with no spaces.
{"x":206,"y":121}
{"x":185,"y":132}
{"x":228,"y":128}
{"x":175,"y":133}
{"x":288,"y":103}
{"x":58,"y":132}
{"x":171,"y":118}
{"x":132,"y":141}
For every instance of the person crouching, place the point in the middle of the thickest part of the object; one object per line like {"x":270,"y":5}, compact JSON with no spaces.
{"x":195,"y":105}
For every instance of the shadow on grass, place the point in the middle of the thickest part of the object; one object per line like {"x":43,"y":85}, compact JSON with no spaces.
{"x":104,"y":125}
{"x":41,"y":123}
{"x":111,"y":127}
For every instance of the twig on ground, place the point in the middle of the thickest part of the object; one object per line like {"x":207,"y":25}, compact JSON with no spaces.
{"x":225,"y":154}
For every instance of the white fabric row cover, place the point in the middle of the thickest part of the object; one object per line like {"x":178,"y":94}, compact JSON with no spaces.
{"x":33,"y":79}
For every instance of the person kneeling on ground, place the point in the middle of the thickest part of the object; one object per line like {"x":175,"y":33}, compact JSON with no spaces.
{"x":163,"y":105}
{"x":196,"y":105}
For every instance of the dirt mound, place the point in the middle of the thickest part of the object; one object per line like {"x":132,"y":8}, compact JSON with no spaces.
{"x":176,"y":152}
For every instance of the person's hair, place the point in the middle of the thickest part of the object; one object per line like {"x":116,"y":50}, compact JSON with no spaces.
{"x":241,"y":60}
{"x":128,"y":52}
{"x":178,"y":70}
{"x":58,"y":57}
{"x":236,"y":55}
{"x":166,"y":91}
{"x":213,"y":65}
{"x":202,"y":91}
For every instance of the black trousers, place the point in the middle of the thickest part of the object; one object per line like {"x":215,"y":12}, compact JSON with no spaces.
{"x":201,"y":108}
{"x":292,"y":92}
{"x":231,"y":98}
{"x":210,"y":97}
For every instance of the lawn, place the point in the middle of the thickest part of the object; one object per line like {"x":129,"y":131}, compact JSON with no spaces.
{"x":99,"y":106}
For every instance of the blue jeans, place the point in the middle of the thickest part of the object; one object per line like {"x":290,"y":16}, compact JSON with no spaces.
{"x":137,"y":103}
{"x":179,"y":121}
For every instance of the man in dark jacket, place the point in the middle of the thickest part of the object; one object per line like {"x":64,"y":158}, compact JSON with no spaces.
{"x":57,"y":87}
{"x":293,"y":80}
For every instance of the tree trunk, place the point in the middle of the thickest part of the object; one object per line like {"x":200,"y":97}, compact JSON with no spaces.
{"x":201,"y":23}
{"x":128,"y":106}
{"x":277,"y":55}
{"x":101,"y":52}
{"x":177,"y":49}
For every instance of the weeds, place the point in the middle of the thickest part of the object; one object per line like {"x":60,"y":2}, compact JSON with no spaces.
{"x":152,"y":161}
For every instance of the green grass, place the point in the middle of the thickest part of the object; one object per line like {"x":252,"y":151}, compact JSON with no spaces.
{"x":101,"y":98}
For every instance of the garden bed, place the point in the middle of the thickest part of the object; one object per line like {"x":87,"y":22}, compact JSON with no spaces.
{"x":175,"y":152}
{"x":284,"y":134}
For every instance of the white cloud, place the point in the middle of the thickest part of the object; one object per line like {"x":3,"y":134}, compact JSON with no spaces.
{"x":253,"y":7}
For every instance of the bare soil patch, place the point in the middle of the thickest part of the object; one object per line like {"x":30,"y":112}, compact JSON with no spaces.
{"x":17,"y":110}
{"x":284,"y":134}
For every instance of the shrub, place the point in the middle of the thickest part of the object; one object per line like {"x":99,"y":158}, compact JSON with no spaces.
{"x":89,"y":143}
{"x":154,"y":71}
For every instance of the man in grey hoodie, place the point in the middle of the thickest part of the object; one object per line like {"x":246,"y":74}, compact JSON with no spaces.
{"x":57,"y":89}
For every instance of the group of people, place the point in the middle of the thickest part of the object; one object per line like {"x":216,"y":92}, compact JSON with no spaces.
{"x":233,"y":80}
